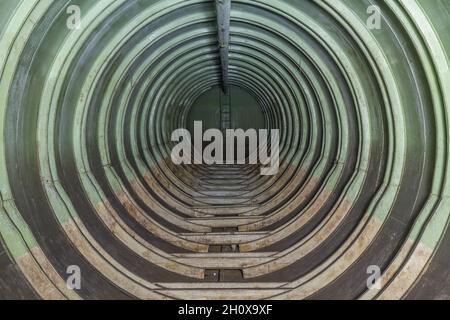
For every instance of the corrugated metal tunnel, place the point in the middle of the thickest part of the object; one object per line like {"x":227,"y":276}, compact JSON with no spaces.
{"x":86,"y":175}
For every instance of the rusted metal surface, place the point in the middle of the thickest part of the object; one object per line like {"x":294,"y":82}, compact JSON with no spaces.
{"x":362,"y":103}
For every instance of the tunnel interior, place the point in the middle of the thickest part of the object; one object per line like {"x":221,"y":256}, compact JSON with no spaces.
{"x":88,"y":183}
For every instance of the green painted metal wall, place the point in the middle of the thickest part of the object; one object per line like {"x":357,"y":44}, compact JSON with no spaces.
{"x":245,"y":110}
{"x":86,"y":177}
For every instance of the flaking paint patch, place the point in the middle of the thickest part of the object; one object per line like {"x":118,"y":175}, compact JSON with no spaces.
{"x":53,"y":275}
{"x":302,"y":249}
{"x":225,"y":294}
{"x":290,"y":227}
{"x":106,"y":265}
{"x":391,"y":271}
{"x":157,"y":230}
{"x":38,"y":279}
{"x":14,"y":243}
{"x":296,"y":201}
{"x":313,"y":282}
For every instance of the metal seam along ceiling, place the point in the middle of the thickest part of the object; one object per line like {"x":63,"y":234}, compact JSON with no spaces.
{"x":87,"y":179}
